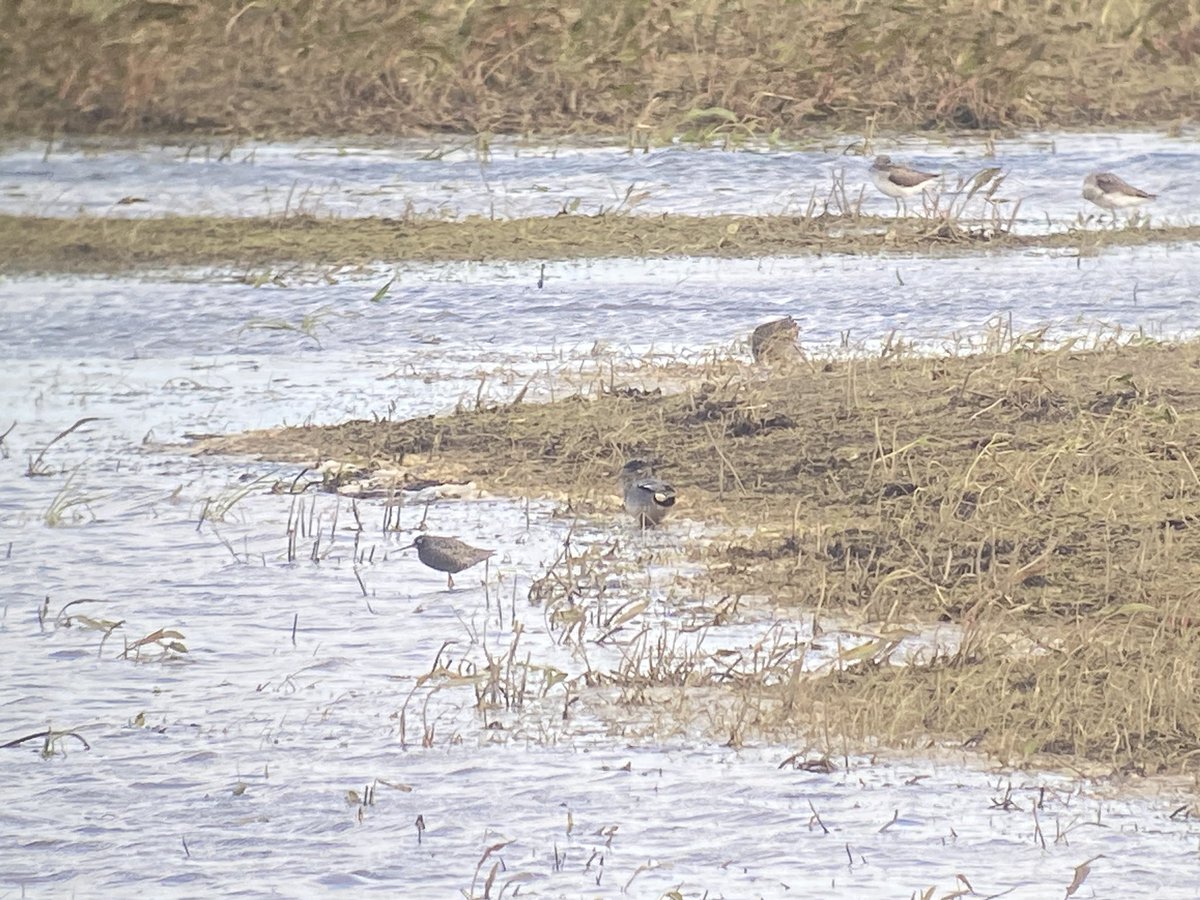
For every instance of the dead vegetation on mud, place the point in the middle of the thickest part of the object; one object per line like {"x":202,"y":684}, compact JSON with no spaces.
{"x":106,"y":245}
{"x":649,"y":70}
{"x":1042,"y":499}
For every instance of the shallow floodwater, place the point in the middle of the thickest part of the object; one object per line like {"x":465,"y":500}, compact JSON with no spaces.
{"x":333,"y":694}
{"x":451,"y":177}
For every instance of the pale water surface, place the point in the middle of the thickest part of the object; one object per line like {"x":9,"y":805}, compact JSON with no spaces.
{"x":229,"y":769}
{"x":452,"y":178}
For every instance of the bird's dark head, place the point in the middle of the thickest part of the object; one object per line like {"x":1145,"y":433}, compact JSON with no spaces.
{"x":418,"y":542}
{"x":636,"y":468}
{"x":881,"y":162}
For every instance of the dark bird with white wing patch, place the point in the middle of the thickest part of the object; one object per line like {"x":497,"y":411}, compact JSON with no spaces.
{"x":647,"y":499}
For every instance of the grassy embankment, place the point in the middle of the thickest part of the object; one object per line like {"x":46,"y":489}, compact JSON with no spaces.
{"x":1043,"y":500}
{"x":648,"y":69}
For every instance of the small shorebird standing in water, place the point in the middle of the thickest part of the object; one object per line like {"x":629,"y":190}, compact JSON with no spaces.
{"x":647,"y":499}
{"x":1109,"y":192}
{"x":447,"y":554}
{"x":900,"y":182}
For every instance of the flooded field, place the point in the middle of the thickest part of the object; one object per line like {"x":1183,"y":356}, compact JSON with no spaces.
{"x":260,"y":693}
{"x":506,"y":179}
{"x":439,"y":321}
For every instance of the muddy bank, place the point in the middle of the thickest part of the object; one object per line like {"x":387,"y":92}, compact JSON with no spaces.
{"x":106,"y":245}
{"x":1041,"y":499}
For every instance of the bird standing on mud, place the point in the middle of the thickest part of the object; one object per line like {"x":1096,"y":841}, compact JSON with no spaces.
{"x":776,"y":341}
{"x":447,"y":554}
{"x":898,"y":181}
{"x":1109,"y":192}
{"x":647,"y":499}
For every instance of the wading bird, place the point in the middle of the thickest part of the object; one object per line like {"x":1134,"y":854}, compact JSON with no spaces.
{"x":776,"y":341}
{"x":1109,"y":192}
{"x":447,"y":554}
{"x":647,"y":499}
{"x":900,"y":182}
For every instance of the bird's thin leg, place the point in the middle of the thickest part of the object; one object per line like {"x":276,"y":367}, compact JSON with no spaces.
{"x":449,"y":582}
